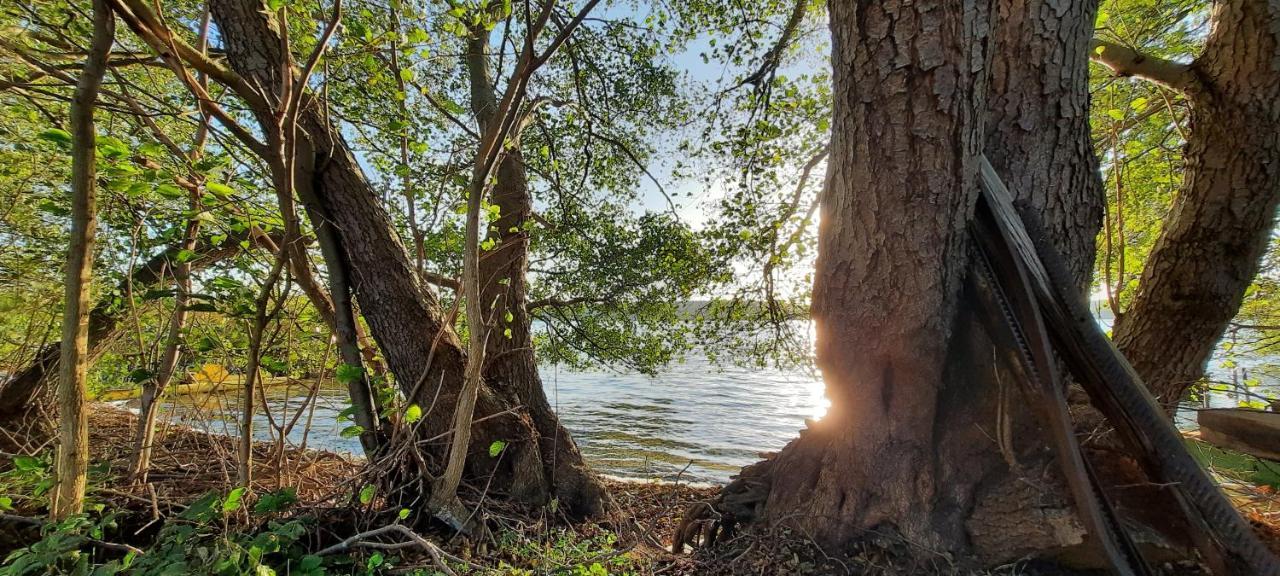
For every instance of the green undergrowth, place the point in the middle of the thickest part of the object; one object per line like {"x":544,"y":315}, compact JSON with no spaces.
{"x":208,"y":539}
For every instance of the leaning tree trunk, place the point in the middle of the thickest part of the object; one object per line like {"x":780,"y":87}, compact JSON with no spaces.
{"x":510,"y":364}
{"x":422,"y":350}
{"x":23,"y":393}
{"x":927,"y":436}
{"x":1220,"y":224}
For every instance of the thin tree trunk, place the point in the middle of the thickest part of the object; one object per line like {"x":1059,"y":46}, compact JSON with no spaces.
{"x":154,"y":387}
{"x":261,"y":316}
{"x":1221,"y":222}
{"x":73,"y":447}
{"x":444,"y":494}
{"x":346,"y":331}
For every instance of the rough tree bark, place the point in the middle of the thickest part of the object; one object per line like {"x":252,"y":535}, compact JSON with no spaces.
{"x":1038,"y":134}
{"x":421,"y":347}
{"x":908,"y":101}
{"x":510,"y":364}
{"x":1220,"y":223}
{"x":909,"y":369}
{"x":73,"y":432}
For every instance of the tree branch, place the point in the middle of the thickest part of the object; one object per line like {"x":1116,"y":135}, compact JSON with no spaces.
{"x":1126,"y":61}
{"x":148,"y":26}
{"x":773,"y":58}
{"x":438,"y":555}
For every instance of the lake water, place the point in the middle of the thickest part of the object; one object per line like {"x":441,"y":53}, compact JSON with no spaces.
{"x":709,"y":418}
{"x":714,"y":420}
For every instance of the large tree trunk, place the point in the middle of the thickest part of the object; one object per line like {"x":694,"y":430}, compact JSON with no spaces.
{"x":927,"y":437}
{"x":1038,"y":134}
{"x":510,"y":363}
{"x":1220,"y":224}
{"x":892,"y":257}
{"x":421,"y":347}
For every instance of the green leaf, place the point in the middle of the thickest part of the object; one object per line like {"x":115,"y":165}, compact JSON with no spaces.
{"x":169,"y":191}
{"x":496,"y":448}
{"x":349,"y":373}
{"x":1115,"y":114}
{"x":61,"y":137}
{"x":26,"y":463}
{"x":6,"y":503}
{"x":366,"y":494}
{"x":232,"y":502}
{"x":203,"y":509}
{"x":352,"y":431}
{"x":412,"y":414}
{"x":139,"y":375}
{"x":406,"y":74}
{"x":112,"y":147}
{"x":404,"y":513}
{"x":509,"y":317}
{"x":1139,"y":104}
{"x":185,"y":255}
{"x":219,"y":189}
{"x":273,"y":501}
{"x":310,"y":562}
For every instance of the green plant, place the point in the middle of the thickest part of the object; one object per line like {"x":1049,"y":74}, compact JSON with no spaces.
{"x":198,"y":541}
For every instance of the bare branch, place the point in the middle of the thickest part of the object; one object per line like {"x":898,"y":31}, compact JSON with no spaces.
{"x":1126,"y":61}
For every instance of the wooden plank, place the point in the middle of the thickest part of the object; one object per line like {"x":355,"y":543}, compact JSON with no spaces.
{"x":1254,"y":432}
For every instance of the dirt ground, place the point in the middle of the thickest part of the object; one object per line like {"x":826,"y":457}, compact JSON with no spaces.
{"x":189,"y":464}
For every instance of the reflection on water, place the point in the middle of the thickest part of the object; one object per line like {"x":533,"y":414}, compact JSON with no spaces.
{"x":711,"y":419}
{"x":718,"y":419}
{"x":218,"y":412}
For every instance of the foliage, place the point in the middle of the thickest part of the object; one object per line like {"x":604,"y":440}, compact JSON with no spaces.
{"x":199,"y":541}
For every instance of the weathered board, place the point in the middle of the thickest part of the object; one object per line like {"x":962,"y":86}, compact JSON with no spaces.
{"x":1254,"y":432}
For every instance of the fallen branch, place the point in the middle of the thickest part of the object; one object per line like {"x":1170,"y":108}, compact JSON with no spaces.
{"x":438,"y":555}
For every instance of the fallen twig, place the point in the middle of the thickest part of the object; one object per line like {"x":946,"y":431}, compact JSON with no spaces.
{"x":438,"y":555}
